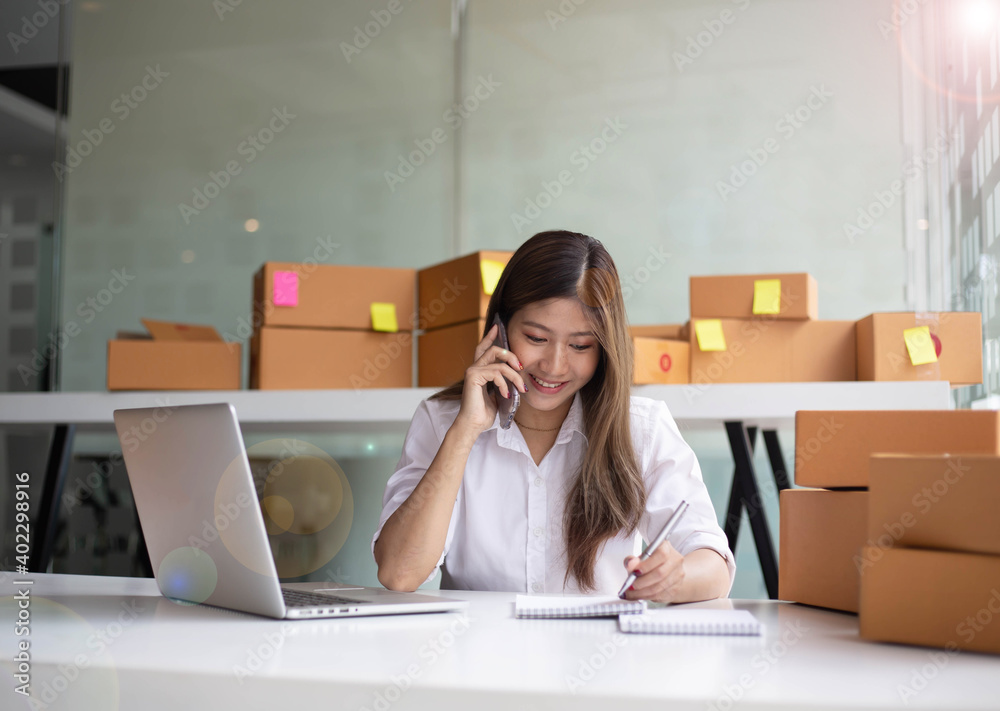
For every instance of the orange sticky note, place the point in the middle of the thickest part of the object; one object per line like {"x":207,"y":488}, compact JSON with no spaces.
{"x":710,"y":335}
{"x":920,"y":346}
{"x":767,"y":296}
{"x":384,"y":317}
{"x":491,"y":271}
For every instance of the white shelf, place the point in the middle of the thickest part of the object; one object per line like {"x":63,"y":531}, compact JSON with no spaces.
{"x":769,"y":405}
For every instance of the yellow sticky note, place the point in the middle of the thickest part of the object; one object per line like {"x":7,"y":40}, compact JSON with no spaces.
{"x":491,"y":271}
{"x":920,"y":345}
{"x":767,"y":296}
{"x":710,"y":335}
{"x":384,"y":317}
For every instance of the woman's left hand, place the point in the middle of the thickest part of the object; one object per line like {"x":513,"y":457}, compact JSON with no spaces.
{"x":661,"y":577}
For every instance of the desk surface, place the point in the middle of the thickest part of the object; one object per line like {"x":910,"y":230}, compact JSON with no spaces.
{"x":126,"y":647}
{"x":769,"y":405}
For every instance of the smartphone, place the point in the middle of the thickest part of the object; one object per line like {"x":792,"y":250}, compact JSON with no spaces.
{"x":506,"y":406}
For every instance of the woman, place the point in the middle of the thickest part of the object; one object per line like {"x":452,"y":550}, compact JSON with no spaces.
{"x":554,"y":503}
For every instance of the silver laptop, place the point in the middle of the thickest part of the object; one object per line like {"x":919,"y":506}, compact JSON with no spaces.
{"x":204,"y":530}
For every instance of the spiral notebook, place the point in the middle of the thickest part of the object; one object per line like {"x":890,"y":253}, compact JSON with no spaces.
{"x":575,"y":606}
{"x":699,"y":622}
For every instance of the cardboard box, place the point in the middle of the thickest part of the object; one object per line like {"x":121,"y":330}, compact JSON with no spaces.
{"x":822,"y":534}
{"x":932,"y":598}
{"x":763,"y":350}
{"x":671,"y":331}
{"x":331,"y":296}
{"x":945,"y":502}
{"x":733,"y":296}
{"x":660,"y":361}
{"x":316,"y":359}
{"x":457,"y":291}
{"x":832,"y":448}
{"x":173,"y":356}
{"x":957,"y":338}
{"x":444,"y":354}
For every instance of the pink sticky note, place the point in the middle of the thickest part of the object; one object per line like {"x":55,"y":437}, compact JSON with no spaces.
{"x":286,"y":289}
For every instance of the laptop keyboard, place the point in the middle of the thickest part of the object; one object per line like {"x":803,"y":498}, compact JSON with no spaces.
{"x":300,"y":598}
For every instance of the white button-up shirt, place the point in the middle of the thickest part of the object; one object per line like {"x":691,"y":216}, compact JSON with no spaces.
{"x":506,"y":529}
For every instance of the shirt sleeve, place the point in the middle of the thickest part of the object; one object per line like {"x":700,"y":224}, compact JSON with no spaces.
{"x":672,"y":474}
{"x":423,"y":439}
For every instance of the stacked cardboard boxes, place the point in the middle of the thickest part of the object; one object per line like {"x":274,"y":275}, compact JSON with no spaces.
{"x":824,"y":529}
{"x":763,"y":328}
{"x":453,"y":298}
{"x":331,"y":326}
{"x":931,"y":565}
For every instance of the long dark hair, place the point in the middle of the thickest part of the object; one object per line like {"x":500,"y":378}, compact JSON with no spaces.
{"x":608,"y":495}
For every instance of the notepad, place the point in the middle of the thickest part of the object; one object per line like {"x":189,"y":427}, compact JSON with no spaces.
{"x":575,"y":606}
{"x":699,"y":622}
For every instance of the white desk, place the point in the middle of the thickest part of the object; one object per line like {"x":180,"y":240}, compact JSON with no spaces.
{"x":167,"y":657}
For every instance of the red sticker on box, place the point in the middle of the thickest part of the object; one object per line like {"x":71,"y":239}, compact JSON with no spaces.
{"x":286,"y":289}
{"x":666,"y":363}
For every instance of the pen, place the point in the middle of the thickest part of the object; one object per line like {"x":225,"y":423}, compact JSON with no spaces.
{"x":651,"y":548}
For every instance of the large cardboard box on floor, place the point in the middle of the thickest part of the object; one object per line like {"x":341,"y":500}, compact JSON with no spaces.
{"x":931,"y":598}
{"x":458,"y":290}
{"x":173,"y":356}
{"x":832,"y":447}
{"x":946,"y":502}
{"x":660,"y":361}
{"x":331,"y":295}
{"x":822,"y":533}
{"x":444,"y":354}
{"x":308,"y":359}
{"x":762,"y":350}
{"x":744,"y":296}
{"x":953,"y":343}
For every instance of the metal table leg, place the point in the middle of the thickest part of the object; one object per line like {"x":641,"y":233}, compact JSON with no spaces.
{"x":47,"y":517}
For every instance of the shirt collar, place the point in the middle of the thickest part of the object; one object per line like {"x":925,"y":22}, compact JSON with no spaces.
{"x":511,"y":438}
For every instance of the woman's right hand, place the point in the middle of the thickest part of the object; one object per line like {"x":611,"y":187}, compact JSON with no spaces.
{"x":491,"y":365}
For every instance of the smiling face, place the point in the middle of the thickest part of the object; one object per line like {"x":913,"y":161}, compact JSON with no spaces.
{"x":559,"y":351}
